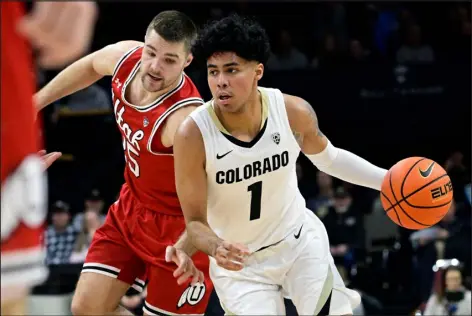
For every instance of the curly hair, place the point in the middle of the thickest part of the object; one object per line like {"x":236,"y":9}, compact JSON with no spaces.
{"x":241,"y":35}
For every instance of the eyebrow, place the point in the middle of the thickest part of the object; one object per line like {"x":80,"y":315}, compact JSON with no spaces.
{"x":166,"y":54}
{"x":225,"y":65}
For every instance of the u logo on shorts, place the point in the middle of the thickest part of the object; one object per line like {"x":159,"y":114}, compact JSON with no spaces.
{"x":192,"y":295}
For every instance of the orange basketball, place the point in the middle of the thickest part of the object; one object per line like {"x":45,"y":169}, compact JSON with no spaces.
{"x":416,"y":193}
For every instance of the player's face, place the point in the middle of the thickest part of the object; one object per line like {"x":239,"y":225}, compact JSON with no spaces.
{"x":162,"y":62}
{"x":232,"y":80}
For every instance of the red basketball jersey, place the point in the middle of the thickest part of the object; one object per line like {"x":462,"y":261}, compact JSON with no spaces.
{"x":19,"y":132}
{"x":149,"y":170}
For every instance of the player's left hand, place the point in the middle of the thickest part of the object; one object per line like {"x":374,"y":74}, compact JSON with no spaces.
{"x":185,"y":267}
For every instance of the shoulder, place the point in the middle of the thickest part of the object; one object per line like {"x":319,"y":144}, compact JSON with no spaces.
{"x":300,"y":113}
{"x":106,"y":59}
{"x":189,"y":132}
{"x":188,"y":142}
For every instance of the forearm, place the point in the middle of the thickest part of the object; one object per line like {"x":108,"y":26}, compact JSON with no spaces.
{"x":185,"y":244}
{"x":77,"y":76}
{"x":203,"y":237}
{"x":348,"y":167}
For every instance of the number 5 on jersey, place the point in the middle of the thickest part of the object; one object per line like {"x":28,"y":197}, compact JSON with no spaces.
{"x":256,"y":193}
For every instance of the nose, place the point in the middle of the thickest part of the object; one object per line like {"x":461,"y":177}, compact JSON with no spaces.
{"x":222,"y":81}
{"x":155,"y":65}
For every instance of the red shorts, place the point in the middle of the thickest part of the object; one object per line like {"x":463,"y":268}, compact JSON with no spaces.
{"x":23,"y":214}
{"x":130,"y":246}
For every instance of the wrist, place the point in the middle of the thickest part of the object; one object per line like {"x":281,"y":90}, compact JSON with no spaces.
{"x":215,"y":245}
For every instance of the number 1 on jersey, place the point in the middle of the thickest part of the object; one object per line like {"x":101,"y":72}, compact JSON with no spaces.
{"x":256,"y":192}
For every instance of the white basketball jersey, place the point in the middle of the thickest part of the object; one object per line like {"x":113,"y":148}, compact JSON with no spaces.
{"x":253,"y":195}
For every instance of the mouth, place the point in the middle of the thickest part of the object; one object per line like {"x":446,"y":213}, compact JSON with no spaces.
{"x":224,"y":96}
{"x":154,"y":78}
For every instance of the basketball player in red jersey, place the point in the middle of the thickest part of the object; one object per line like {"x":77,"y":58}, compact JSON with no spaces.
{"x":151,"y":97}
{"x":23,"y":202}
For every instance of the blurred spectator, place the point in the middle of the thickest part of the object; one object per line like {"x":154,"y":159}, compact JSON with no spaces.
{"x":468,"y":193}
{"x":458,"y":173}
{"x":457,"y":45}
{"x":325,"y":197}
{"x":95,"y":203}
{"x":450,"y":238}
{"x":91,"y":223}
{"x":329,"y":54}
{"x":286,"y":56}
{"x":60,"y":236}
{"x":331,"y":17}
{"x":452,"y":298}
{"x":344,"y":226}
{"x":357,"y":53}
{"x":385,"y":25}
{"x":414,"y":51}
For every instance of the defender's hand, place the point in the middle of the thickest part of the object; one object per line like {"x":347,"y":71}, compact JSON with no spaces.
{"x":231,"y":256}
{"x":48,"y":159}
{"x":185,"y":267}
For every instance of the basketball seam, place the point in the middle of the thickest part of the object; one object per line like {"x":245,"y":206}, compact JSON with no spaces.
{"x":401,"y":208}
{"x":416,"y":191}
{"x":396,"y":214}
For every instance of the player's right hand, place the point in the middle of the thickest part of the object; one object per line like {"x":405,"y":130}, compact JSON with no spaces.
{"x":231,"y":256}
{"x":60,"y":31}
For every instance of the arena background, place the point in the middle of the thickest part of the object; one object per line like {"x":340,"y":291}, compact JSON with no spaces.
{"x":387,"y":80}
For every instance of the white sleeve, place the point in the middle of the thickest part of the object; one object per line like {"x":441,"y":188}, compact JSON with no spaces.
{"x":348,"y":167}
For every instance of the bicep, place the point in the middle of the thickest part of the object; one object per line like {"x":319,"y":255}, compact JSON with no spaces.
{"x":305,"y":126}
{"x":105,"y":59}
{"x":190,"y":175}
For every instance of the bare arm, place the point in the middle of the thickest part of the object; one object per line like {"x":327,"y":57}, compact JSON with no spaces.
{"x":191,"y":184}
{"x":83,"y":73}
{"x":334,"y":161}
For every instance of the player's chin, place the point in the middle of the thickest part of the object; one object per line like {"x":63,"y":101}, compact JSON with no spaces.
{"x":153,"y":85}
{"x":226,"y":105}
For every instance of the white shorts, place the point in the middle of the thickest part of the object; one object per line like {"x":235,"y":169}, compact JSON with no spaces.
{"x":301,"y":269}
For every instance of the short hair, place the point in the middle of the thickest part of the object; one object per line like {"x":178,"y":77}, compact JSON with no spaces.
{"x":241,"y":35}
{"x":174,"y":26}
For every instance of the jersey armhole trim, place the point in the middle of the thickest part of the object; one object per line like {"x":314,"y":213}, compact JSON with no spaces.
{"x":122,"y":59}
{"x":165,"y":115}
{"x":284,"y":113}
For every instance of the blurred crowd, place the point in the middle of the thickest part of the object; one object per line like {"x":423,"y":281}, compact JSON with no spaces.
{"x":341,"y":34}
{"x":395,"y":270}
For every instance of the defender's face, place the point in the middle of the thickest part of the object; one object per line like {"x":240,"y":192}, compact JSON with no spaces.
{"x":162,"y":62}
{"x":232,"y":80}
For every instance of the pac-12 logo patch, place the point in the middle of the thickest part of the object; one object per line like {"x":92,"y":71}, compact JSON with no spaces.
{"x":276,"y":138}
{"x":192,"y":295}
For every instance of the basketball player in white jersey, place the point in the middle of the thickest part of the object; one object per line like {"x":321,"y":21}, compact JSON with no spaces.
{"x":235,"y":164}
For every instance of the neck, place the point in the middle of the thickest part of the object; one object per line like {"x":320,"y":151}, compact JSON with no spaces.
{"x":247,"y":120}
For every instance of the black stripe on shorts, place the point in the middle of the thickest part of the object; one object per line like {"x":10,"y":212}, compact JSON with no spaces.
{"x":97,"y":268}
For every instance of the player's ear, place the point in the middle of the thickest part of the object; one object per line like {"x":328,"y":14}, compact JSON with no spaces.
{"x":259,"y":71}
{"x":189,"y":60}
